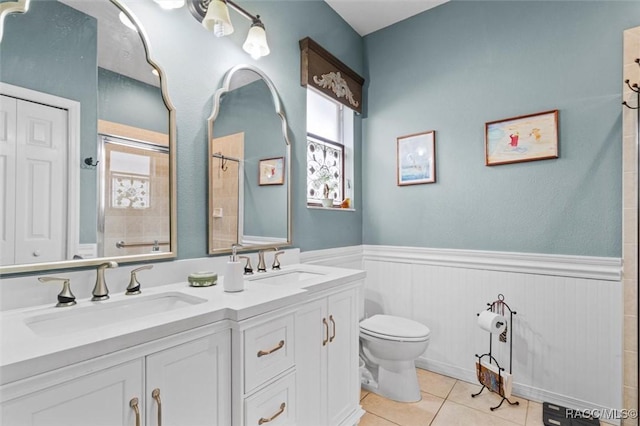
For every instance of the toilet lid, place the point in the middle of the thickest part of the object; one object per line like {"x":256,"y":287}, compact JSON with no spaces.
{"x":392,"y":326}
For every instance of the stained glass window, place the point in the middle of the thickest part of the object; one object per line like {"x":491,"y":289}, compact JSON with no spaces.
{"x":324,"y":171}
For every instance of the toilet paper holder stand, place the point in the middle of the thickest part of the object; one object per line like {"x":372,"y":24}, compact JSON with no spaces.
{"x":498,"y":306}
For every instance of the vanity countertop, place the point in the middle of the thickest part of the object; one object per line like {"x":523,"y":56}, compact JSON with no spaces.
{"x":25,"y":351}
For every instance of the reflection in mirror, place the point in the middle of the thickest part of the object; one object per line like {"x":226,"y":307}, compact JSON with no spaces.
{"x":89,"y":164}
{"x":249,"y":164}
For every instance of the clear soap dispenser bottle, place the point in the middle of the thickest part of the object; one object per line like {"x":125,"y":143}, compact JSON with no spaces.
{"x":233,"y":279}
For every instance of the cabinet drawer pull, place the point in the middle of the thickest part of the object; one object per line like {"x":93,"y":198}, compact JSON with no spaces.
{"x":270,"y":351}
{"x":134,"y":404}
{"x":155,"y":394}
{"x":326,"y":329}
{"x":333,"y":336}
{"x":272,"y":418}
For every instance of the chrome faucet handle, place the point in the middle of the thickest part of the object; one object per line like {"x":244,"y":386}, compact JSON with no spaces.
{"x":276,"y":262}
{"x":100,"y":290}
{"x":261,"y":265}
{"x":248,"y":269}
{"x":65,"y":297}
{"x":134,"y":285}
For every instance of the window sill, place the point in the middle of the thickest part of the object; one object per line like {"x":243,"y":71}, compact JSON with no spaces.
{"x":331,"y":208}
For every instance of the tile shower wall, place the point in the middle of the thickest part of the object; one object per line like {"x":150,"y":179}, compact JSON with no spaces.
{"x":631,"y":71}
{"x":133,"y":224}
{"x":224,"y":187}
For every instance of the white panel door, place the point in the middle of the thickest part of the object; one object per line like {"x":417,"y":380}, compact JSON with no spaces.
{"x":98,"y":399}
{"x":189,"y":384}
{"x":8,"y":111}
{"x":41,"y":182}
{"x":312,"y":338}
{"x":343,"y":380}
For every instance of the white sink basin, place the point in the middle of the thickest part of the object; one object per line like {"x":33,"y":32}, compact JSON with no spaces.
{"x":99,"y":314}
{"x":288,"y":277}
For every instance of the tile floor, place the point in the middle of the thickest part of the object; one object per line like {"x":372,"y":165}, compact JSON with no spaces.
{"x":448,"y":402}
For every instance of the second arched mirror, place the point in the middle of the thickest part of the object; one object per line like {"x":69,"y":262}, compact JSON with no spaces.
{"x":249,"y":164}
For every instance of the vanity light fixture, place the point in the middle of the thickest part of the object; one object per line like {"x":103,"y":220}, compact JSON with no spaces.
{"x":214,"y":15}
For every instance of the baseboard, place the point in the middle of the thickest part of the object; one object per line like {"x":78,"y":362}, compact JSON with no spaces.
{"x":527,"y":392}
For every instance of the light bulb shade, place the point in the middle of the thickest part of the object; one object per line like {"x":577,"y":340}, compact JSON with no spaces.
{"x":217,"y":18}
{"x":256,"y":42}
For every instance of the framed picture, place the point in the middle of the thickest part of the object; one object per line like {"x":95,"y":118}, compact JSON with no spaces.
{"x":416,"y":158}
{"x":271,"y":171}
{"x":525,"y":138}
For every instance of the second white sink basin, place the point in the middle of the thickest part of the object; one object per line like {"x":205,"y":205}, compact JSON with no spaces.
{"x":84,"y":318}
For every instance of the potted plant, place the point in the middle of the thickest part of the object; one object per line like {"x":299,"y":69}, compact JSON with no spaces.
{"x":326,"y":201}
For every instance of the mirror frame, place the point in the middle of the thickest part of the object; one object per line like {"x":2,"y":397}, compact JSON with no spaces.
{"x":173,"y":219}
{"x":225,"y":87}
{"x":7,"y":7}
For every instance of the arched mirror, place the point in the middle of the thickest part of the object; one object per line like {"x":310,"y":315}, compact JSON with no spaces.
{"x":88,"y":148}
{"x":249,"y":164}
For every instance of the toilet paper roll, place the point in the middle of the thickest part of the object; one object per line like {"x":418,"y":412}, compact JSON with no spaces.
{"x":491,"y":322}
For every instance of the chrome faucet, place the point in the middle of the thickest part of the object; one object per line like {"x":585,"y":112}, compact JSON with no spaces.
{"x":248,"y":269}
{"x":261,"y":266}
{"x":100,"y":290}
{"x":276,"y":262}
{"x":134,"y":284}
{"x":65,"y":298}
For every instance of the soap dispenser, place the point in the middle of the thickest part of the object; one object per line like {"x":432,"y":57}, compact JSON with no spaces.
{"x":233,"y":277}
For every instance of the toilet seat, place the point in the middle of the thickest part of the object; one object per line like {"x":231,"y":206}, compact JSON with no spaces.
{"x":389,"y":327}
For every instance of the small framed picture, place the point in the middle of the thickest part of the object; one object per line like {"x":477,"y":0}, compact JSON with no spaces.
{"x":524,"y":138}
{"x":271,"y":171}
{"x":416,"y":158}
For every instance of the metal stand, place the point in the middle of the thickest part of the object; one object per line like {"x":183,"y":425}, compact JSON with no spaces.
{"x":498,"y":307}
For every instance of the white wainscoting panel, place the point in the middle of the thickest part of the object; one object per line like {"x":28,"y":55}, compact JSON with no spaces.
{"x":567,"y":332}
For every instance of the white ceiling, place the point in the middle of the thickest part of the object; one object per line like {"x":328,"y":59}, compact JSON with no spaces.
{"x":367,"y":16}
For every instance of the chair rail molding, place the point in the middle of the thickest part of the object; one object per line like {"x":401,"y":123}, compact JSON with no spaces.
{"x":589,"y":267}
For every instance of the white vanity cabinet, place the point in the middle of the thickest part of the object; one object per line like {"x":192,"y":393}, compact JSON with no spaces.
{"x":184,"y":384}
{"x":101,"y":399}
{"x":327,"y":360}
{"x":266,"y":371}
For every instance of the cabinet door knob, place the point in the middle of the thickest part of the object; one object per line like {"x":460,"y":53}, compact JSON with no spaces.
{"x":333,"y":336}
{"x":134,"y":404}
{"x":326,"y":332}
{"x":270,"y":351}
{"x":272,"y":418}
{"x":155,"y":394}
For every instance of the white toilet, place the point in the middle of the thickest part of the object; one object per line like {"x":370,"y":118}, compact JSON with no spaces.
{"x":390,"y":347}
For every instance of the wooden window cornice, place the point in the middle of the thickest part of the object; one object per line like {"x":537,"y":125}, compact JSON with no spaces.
{"x":328,"y":74}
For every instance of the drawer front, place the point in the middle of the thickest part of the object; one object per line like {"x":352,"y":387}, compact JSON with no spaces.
{"x":268,"y":351}
{"x":274,"y":405}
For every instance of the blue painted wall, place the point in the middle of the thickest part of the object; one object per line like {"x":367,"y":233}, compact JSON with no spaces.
{"x":131,"y":102}
{"x":465,"y":63}
{"x":450,"y":69}
{"x":195,"y":62}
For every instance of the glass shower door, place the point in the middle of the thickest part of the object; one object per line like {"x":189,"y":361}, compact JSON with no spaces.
{"x":134,"y":211}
